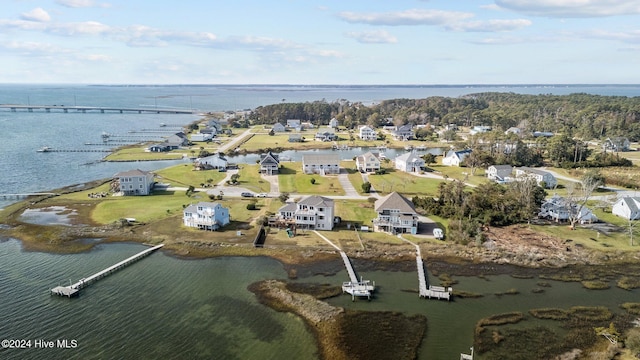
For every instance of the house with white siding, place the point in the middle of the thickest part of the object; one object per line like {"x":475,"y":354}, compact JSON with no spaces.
{"x":269,"y":163}
{"x":627,"y":207}
{"x":499,"y":172}
{"x":205,"y":216}
{"x":367,"y":133}
{"x":278,"y":127}
{"x":455,"y":158}
{"x":135,"y":182}
{"x":333,"y":123}
{"x":409,"y":162}
{"x":540,"y":176}
{"x":322,"y":164}
{"x":396,"y":215}
{"x":313,"y":212}
{"x":404,"y":132}
{"x":368,"y":162}
{"x":559,"y":209}
{"x":215,"y":161}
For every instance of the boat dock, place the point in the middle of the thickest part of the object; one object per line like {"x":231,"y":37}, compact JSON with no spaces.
{"x":425,"y":290}
{"x":101,"y":109}
{"x":21,"y":196}
{"x":45,"y":149}
{"x":354,"y":287}
{"x":74,"y":289}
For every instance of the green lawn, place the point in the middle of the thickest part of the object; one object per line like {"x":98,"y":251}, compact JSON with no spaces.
{"x":405,"y":183}
{"x":138,"y":153}
{"x":461,"y":173}
{"x":261,"y":142}
{"x":355,"y":212}
{"x":588,"y":237}
{"x":354,"y":175}
{"x":184,"y":175}
{"x":251,"y":179}
{"x":292,"y":180}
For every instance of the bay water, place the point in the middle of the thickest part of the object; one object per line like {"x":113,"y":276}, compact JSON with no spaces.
{"x":164,"y":307}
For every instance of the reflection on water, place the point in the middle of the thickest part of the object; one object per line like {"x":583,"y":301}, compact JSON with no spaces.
{"x":52,"y":215}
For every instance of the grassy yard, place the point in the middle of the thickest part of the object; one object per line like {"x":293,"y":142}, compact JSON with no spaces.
{"x":405,"y":183}
{"x":251,"y":179}
{"x":461,"y":173}
{"x":184,"y":175}
{"x":293,"y":180}
{"x":588,"y":237}
{"x":261,"y":142}
{"x":137,"y":152}
{"x":354,"y":175}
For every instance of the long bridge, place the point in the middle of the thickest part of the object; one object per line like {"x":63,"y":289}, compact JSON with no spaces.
{"x":74,"y":289}
{"x":101,"y":109}
{"x":427,"y":291}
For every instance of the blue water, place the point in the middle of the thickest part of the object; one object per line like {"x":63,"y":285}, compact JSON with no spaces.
{"x":191,"y":309}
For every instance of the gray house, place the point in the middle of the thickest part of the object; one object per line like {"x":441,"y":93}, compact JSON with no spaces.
{"x":269,"y":163}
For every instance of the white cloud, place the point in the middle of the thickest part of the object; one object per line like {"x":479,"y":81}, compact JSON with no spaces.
{"x":407,"y":17}
{"x":95,"y":57}
{"x":81,"y":3}
{"x":32,"y":48}
{"x":572,"y":8}
{"x":37,"y":14}
{"x":490,"y":25}
{"x":373,"y":37}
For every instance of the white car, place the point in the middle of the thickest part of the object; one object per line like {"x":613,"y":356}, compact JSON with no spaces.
{"x":438,"y":233}
{"x":263,"y":195}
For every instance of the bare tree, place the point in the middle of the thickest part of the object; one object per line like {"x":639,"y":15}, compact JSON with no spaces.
{"x":631,"y":227}
{"x":578,"y":194}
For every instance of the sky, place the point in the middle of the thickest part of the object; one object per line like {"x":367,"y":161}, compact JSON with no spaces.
{"x":340,"y":42}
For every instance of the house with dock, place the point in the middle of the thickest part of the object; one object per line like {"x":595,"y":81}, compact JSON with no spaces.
{"x":409,"y":162}
{"x":134,"y":182}
{"x":368,"y":162}
{"x":322,"y":164}
{"x":326,"y":134}
{"x":205,"y":216}
{"x":269,"y":163}
{"x":313,"y":212}
{"x":367,"y":133}
{"x":215,"y":161}
{"x":396,"y":215}
{"x":404,"y":133}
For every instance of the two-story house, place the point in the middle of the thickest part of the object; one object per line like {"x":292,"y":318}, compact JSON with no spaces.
{"x":627,"y":207}
{"x":559,"y":209}
{"x":396,"y":215}
{"x":177,"y":140}
{"x":326,"y":134}
{"x":404,"y":132}
{"x":455,"y":158}
{"x":294,"y":124}
{"x":215,"y":161}
{"x":135,"y":182}
{"x":322,"y":164}
{"x":540,"y":176}
{"x":368,"y":162}
{"x":409,"y":162}
{"x":313,"y":212}
{"x":367,"y":133}
{"x":205,"y":216}
{"x":269,"y":163}
{"x":499,"y":172}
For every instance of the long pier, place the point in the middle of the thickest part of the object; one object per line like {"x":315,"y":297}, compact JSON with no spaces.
{"x":24,"y":195}
{"x":425,"y":290}
{"x":48,"y":149}
{"x":354,"y":287}
{"x":101,"y":109}
{"x":74,"y":289}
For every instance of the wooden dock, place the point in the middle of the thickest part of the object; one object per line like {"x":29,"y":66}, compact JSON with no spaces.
{"x":100,"y":109}
{"x":21,"y":196}
{"x":354,"y":287}
{"x":74,"y":289}
{"x":425,"y":290}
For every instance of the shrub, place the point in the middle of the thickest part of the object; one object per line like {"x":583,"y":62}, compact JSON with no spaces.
{"x":313,"y":181}
{"x":251,"y":206}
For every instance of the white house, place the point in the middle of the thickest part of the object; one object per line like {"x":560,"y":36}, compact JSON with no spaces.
{"x":404,"y":132}
{"x":409,"y":162}
{"x":539,"y":175}
{"x":479,"y":129}
{"x":627,"y":207}
{"x":269,"y":163}
{"x":513,"y":130}
{"x":368,"y":162}
{"x":333,"y":123}
{"x":278,"y":127}
{"x":558,"y":209}
{"x":367,"y":133}
{"x":499,"y":172}
{"x":205,"y":216}
{"x":321,"y":164}
{"x":455,"y":158}
{"x":396,"y":215}
{"x":201,"y":136}
{"x":327,"y":134}
{"x":215,"y":161}
{"x":616,"y":144}
{"x":313,"y":212}
{"x":295,"y":124}
{"x":135,"y":182}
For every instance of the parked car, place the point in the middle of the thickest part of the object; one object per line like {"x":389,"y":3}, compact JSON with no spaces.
{"x":262,"y":195}
{"x":247,"y":194}
{"x":438,"y":233}
{"x":222,"y":170}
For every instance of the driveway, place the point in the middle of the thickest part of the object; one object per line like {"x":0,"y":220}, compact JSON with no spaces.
{"x":343,"y":178}
{"x":275,"y":185}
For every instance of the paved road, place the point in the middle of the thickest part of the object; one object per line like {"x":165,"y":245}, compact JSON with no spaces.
{"x":233,"y":142}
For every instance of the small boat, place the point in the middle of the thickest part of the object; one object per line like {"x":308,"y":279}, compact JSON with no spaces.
{"x":421,"y":148}
{"x":44,"y":149}
{"x":382,"y":156}
{"x":408,"y":147}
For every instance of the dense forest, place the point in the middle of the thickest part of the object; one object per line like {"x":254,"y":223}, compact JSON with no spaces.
{"x":581,"y":116}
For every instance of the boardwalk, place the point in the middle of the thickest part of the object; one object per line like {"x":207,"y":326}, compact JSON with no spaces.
{"x":101,"y":109}
{"x":74,"y":289}
{"x":425,"y":290}
{"x":354,"y":287}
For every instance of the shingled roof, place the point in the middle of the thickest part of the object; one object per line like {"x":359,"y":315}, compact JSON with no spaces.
{"x":395,"y":201}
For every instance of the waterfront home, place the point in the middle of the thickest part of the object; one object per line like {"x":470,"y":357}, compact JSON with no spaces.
{"x":326,"y":134}
{"x":479,"y":129}
{"x":333,"y":123}
{"x":404,"y":133}
{"x":177,"y":140}
{"x":540,"y":176}
{"x":295,"y":137}
{"x":499,"y":172}
{"x":409,"y":162}
{"x":616,"y":144}
{"x":295,"y":124}
{"x":313,"y":212}
{"x":201,"y":137}
{"x":269,"y":163}
{"x":321,"y":164}
{"x":455,"y":158}
{"x":205,"y":216}
{"x":215,"y":124}
{"x":627,"y":207}
{"x":135,"y":182}
{"x":215,"y":161}
{"x":367,"y":133}
{"x":278,"y":127}
{"x":368,"y":162}
{"x":162,"y":147}
{"x":559,"y":209}
{"x":396,"y":215}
